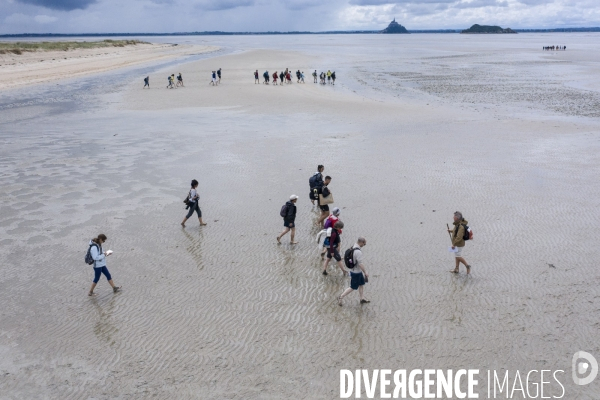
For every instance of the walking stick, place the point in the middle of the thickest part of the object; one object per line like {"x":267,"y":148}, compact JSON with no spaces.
{"x":449,"y":234}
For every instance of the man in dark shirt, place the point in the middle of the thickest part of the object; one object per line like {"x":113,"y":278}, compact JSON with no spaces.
{"x":289,"y":218}
{"x":323,"y":190}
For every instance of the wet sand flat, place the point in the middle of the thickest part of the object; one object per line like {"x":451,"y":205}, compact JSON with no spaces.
{"x":222,"y":311}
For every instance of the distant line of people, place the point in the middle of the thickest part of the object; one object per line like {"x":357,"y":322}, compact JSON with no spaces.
{"x":279,"y":78}
{"x":552,"y":48}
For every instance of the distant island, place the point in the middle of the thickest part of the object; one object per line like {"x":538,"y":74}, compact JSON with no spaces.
{"x":487,"y":29}
{"x":394,"y":27}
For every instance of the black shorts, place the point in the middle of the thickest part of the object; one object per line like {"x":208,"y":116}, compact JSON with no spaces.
{"x":335,"y":254}
{"x":324,"y":207}
{"x":311,"y":195}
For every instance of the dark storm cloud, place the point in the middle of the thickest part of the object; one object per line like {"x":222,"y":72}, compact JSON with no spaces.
{"x":66,"y":5}
{"x":218,"y":5}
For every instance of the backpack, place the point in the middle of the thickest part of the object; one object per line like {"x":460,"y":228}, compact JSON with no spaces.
{"x":284,"y":210}
{"x":313,"y":181}
{"x":468,"y":233}
{"x":349,"y":257}
{"x":88,"y":256}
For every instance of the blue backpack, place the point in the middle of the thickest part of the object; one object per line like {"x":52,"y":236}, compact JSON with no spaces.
{"x":88,"y":256}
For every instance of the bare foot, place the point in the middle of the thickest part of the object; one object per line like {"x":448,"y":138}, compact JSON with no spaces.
{"x":91,"y":293}
{"x":293,"y":242}
{"x":468,"y":269}
{"x":182,"y":224}
{"x":203,"y":224}
{"x":454,"y":271}
{"x":278,"y":241}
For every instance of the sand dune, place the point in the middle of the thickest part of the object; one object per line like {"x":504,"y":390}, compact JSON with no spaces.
{"x":47,"y":66}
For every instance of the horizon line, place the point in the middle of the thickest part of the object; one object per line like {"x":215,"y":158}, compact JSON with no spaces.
{"x":351,"y":31}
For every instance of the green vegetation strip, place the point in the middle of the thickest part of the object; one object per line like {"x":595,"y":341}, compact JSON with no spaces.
{"x":20,"y":47}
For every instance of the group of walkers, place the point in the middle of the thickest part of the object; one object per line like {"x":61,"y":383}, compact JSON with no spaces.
{"x":286,"y":77}
{"x":353,"y":265}
{"x":552,"y":48}
{"x":174,"y":82}
{"x":171,"y":79}
{"x":283,"y":77}
{"x":331,"y":232}
{"x":324,"y":77}
{"x":215,"y":77}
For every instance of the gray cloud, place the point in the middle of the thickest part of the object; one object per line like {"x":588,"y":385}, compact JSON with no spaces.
{"x":385,"y":2}
{"x":65,"y":5}
{"x":218,"y":5}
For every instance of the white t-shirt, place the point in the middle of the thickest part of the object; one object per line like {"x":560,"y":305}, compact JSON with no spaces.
{"x":194,"y":195}
{"x":358,"y":256}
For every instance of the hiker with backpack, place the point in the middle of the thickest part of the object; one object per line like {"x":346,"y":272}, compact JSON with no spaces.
{"x":96,"y":257}
{"x":146,"y":82}
{"x":324,"y":197}
{"x":328,"y":228}
{"x":315,"y":181}
{"x":191,"y":202}
{"x":333,"y":250}
{"x":358,"y":274}
{"x":458,"y":235}
{"x":288,"y":213}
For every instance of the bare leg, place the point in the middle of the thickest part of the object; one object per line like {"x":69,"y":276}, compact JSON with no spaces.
{"x":115,"y":288}
{"x":92,"y":289}
{"x":293,"y":230}
{"x":344,"y":294}
{"x":201,"y":222}
{"x":325,"y":264}
{"x":341,"y":266}
{"x":286,"y":230}
{"x":455,"y":270}
{"x":183,"y":223}
{"x":324,"y":215}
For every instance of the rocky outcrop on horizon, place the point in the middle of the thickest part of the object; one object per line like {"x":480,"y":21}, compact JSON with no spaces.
{"x":487,"y":29}
{"x":395,"y":27}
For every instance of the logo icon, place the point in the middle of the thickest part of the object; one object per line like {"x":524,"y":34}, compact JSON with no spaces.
{"x":580,"y":368}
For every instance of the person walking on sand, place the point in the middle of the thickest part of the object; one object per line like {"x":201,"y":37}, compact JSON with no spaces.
{"x":288,"y":212}
{"x":146,"y":82}
{"x":333,"y":78}
{"x":302,"y":77}
{"x":334,"y":245}
{"x":214,"y":78}
{"x":281,"y":78}
{"x":193,"y":199}
{"x":328,"y":76}
{"x":256,"y":79}
{"x":325,"y":192}
{"x":179,"y":80}
{"x":266,"y":77}
{"x":275,"y":78}
{"x":314,"y":74}
{"x":99,"y":262}
{"x":358,"y":274}
{"x":328,"y":227}
{"x":458,"y":235}
{"x":219,"y":74}
{"x":314,"y":182}
{"x":170,"y":85}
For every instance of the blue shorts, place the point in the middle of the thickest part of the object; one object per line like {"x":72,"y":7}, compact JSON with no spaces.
{"x":99,"y":271}
{"x":356,"y":280}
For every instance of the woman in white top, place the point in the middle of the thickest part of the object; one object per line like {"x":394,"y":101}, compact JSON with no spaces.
{"x":193,"y":199}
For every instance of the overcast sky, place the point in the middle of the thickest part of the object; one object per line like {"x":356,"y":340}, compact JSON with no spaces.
{"x":102,"y":16}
